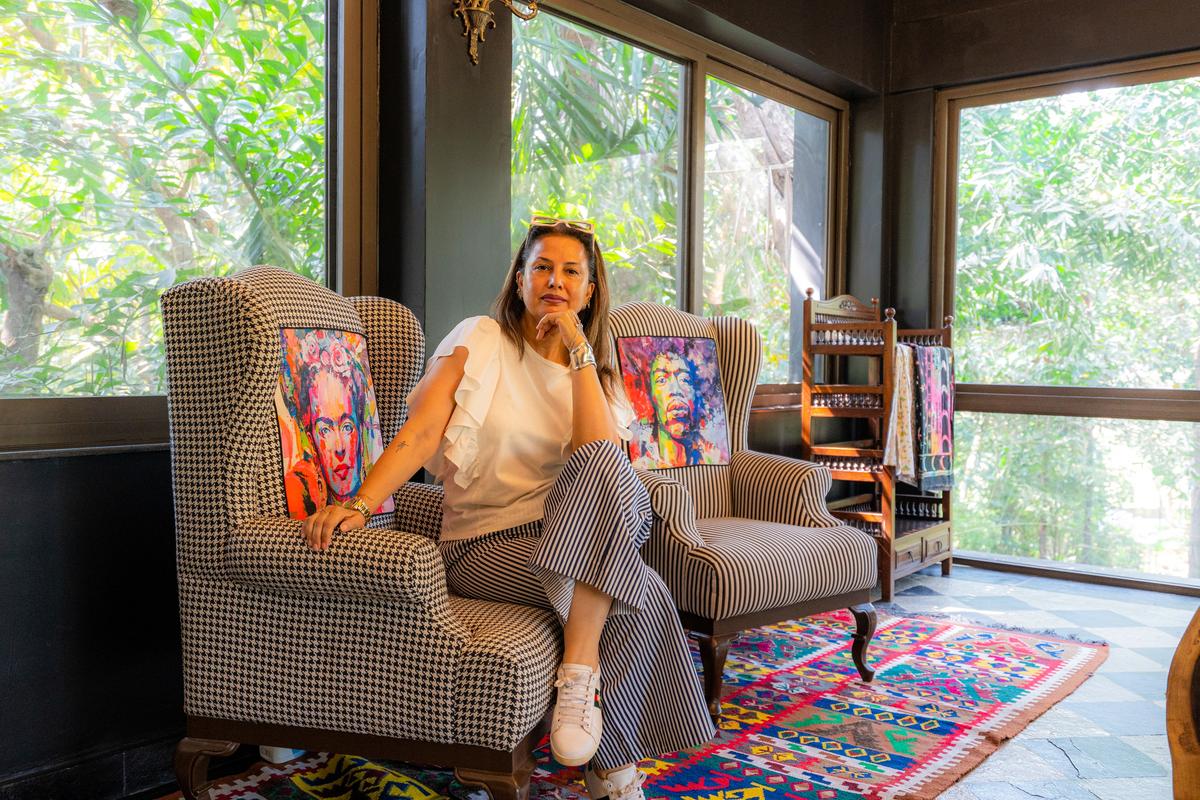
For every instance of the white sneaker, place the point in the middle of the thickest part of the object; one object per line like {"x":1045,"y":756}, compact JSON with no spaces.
{"x":621,"y":784}
{"x":278,"y":755}
{"x":576,"y":727}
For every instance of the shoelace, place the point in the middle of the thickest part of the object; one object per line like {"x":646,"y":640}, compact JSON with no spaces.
{"x":573,"y":703}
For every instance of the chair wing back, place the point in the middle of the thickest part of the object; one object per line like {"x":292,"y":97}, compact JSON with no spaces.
{"x":738,"y":358}
{"x":396,"y":352}
{"x":223,"y":367}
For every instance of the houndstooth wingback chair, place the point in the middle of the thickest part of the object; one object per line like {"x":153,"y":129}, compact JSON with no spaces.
{"x":355,"y":649}
{"x":749,"y":543}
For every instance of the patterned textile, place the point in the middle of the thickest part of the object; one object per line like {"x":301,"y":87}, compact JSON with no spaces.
{"x":675,"y":388}
{"x":596,"y":517}
{"x":266,"y":622}
{"x":935,"y":418}
{"x":900,"y":440}
{"x":797,"y":723}
{"x":746,"y":565}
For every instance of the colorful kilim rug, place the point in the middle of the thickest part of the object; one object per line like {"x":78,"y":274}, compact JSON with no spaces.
{"x":797,"y":723}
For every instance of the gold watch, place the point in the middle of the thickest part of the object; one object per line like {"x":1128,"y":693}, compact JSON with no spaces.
{"x":356,"y":504}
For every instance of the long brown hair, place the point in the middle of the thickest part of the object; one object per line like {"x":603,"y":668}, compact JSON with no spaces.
{"x":508,"y":309}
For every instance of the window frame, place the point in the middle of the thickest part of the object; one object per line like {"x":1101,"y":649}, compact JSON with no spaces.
{"x":702,"y":57}
{"x":1107,"y":402}
{"x":1175,"y":405}
{"x":75,"y":424}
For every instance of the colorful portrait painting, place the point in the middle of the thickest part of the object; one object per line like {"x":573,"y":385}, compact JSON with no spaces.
{"x":674,"y":386}
{"x":328,"y":420}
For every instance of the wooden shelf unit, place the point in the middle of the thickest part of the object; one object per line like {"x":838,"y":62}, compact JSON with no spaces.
{"x":911,"y":528}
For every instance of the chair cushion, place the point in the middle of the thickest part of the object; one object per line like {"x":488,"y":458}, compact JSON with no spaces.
{"x":506,"y":676}
{"x":746,"y":565}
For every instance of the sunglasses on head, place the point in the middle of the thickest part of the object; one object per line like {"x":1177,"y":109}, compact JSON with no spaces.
{"x":581,"y":225}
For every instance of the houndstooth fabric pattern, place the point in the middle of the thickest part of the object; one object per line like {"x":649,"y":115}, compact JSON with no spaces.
{"x":380,"y":564}
{"x":754,"y":535}
{"x":396,"y":353}
{"x":505,"y":680}
{"x":222,"y":340}
{"x":361,"y":637}
{"x":335,"y":663}
{"x":418,"y":509}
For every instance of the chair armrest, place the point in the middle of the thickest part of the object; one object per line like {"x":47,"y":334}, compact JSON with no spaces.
{"x":418,"y":509}
{"x":775,"y":488}
{"x":376,"y":563}
{"x":674,"y":510}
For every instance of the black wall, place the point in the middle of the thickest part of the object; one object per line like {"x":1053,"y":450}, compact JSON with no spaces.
{"x":89,"y":634}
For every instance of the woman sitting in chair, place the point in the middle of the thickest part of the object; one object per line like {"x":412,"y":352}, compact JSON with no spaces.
{"x":521,"y":415}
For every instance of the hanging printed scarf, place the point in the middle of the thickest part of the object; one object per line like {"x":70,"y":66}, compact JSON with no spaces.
{"x":899,"y":449}
{"x":935,"y":418}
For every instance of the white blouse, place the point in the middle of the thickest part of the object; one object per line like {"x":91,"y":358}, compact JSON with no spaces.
{"x":509,"y":435}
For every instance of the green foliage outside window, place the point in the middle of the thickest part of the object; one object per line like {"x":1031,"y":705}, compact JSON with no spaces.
{"x":596,"y":134}
{"x":1079,"y":265}
{"x":147,"y":142}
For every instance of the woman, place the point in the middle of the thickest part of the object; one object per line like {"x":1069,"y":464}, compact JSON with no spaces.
{"x":521,"y":416}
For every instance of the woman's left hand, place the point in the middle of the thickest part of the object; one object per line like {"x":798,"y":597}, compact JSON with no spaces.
{"x":570,"y":328}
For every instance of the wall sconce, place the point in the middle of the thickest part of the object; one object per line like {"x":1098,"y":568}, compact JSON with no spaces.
{"x":477,"y":18}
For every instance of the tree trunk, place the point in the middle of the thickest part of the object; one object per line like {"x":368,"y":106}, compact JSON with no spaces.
{"x":28,"y":279}
{"x":1089,"y":492}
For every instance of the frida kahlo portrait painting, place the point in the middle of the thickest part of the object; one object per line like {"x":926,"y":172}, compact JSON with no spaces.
{"x":674,"y":386}
{"x":328,"y":420}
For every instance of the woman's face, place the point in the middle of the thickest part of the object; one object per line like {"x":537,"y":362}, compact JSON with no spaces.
{"x":335,"y":434}
{"x":555,"y":277}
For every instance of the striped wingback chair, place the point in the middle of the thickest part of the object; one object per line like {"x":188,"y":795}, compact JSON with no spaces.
{"x":750,"y":542}
{"x":354,"y":649}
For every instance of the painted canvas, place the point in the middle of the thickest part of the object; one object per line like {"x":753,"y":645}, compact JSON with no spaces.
{"x":328,"y":420}
{"x":675,"y":388}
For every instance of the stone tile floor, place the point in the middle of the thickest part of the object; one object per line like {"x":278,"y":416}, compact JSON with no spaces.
{"x":1107,"y":740}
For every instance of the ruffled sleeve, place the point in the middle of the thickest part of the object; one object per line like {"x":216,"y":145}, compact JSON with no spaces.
{"x":622,"y":413}
{"x":473,"y":397}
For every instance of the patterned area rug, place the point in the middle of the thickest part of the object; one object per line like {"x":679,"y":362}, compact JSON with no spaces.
{"x":797,"y":722}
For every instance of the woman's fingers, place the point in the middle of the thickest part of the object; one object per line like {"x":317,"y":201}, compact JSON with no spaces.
{"x":318,"y":529}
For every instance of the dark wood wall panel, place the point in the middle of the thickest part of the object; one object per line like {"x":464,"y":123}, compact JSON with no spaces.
{"x":949,"y":42}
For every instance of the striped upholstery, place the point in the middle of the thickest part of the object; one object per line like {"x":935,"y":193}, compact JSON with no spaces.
{"x":361,"y":637}
{"x":753,"y":535}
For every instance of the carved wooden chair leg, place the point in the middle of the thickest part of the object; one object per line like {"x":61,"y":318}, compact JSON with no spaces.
{"x":502,"y":785}
{"x":713,"y":650}
{"x":191,"y":764}
{"x":864,"y":623}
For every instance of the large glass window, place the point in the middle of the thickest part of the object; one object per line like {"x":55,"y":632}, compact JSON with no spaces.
{"x":1076,"y":279}
{"x":766,"y":217}
{"x":147,"y":143}
{"x":1079,"y":239}
{"x":1102,"y":492}
{"x":625,"y":135}
{"x":596,"y":135}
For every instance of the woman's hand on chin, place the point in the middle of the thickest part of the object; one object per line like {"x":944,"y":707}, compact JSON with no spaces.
{"x":318,"y":529}
{"x":568,"y":324}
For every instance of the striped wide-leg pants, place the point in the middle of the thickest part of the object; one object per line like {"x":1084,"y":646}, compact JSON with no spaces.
{"x":597,"y":515}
